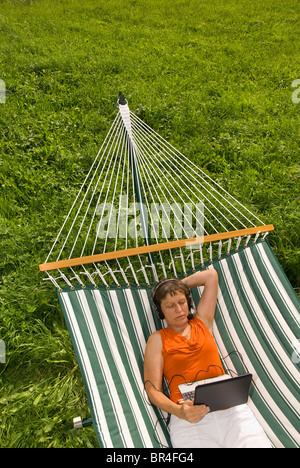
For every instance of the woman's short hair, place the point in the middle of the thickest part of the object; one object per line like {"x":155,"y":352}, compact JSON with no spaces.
{"x":168,"y":286}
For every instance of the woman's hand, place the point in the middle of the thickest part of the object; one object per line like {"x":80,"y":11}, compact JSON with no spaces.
{"x":192,"y":413}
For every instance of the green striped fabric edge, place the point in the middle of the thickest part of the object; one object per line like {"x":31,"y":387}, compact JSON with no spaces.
{"x":109,"y":330}
{"x":256,"y":327}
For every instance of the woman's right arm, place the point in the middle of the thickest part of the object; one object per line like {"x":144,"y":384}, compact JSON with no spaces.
{"x":153,"y":375}
{"x":153,"y":378}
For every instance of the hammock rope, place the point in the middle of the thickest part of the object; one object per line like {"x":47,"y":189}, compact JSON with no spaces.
{"x":192,"y":169}
{"x":139,"y":192}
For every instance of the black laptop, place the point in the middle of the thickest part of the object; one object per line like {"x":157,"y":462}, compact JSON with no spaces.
{"x":223,"y":394}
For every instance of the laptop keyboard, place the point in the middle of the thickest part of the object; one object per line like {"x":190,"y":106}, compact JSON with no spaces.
{"x":188,"y":395}
{"x":188,"y":390}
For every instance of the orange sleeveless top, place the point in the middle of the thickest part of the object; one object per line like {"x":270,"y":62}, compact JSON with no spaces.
{"x":189,"y":360}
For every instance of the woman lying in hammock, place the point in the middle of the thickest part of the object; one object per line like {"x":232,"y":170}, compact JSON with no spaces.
{"x":184,"y":352}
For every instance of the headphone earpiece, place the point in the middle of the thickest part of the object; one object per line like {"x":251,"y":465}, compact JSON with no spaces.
{"x":156,"y":308}
{"x":192,"y":307}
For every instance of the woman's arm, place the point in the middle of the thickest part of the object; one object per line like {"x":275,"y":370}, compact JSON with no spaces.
{"x":207,"y":304}
{"x":153,"y":377}
{"x":153,"y":374}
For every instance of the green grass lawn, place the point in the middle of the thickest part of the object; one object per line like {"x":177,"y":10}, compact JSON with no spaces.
{"x":213,"y":78}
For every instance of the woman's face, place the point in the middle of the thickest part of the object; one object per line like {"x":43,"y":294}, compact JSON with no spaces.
{"x":175,"y":309}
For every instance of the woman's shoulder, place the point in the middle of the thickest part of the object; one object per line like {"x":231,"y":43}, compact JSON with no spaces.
{"x":154,"y":342}
{"x":155,"y":337}
{"x":198,"y":323}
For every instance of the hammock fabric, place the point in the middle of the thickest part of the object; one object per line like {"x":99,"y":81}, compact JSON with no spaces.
{"x":256,"y":327}
{"x":133,"y":193}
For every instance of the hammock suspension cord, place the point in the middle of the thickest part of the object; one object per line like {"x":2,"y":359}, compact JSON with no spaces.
{"x":139,"y":192}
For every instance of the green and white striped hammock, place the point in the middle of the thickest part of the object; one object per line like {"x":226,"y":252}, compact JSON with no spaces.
{"x":144,"y":211}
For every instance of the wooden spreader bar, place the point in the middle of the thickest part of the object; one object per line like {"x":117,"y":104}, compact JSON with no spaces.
{"x":153,"y":248}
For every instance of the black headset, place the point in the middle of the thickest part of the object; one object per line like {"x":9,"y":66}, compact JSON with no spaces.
{"x":156,"y":305}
